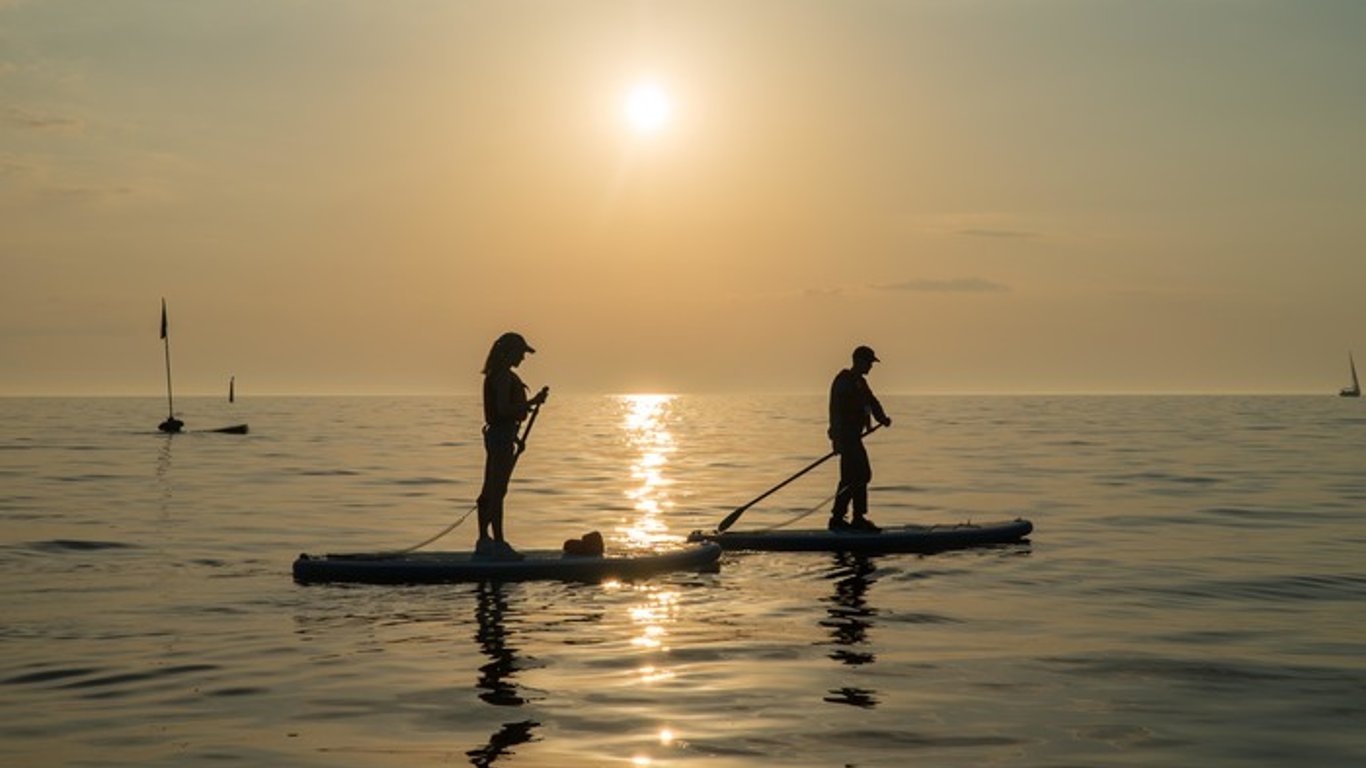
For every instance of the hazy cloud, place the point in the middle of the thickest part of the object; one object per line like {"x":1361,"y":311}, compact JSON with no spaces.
{"x":1004,"y":234}
{"x":81,"y":194}
{"x":822,"y":293}
{"x":21,"y":189}
{"x":46,"y":123}
{"x":957,"y":285}
{"x":27,"y":180}
{"x":11,"y":165}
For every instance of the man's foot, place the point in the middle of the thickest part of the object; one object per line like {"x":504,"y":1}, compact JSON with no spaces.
{"x":864,"y":525}
{"x":504,"y":551}
{"x":839,"y":525}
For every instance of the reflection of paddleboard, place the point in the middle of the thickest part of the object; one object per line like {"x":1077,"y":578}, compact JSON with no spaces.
{"x":434,"y":567}
{"x":903,"y":538}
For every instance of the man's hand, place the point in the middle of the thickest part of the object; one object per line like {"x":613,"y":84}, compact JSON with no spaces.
{"x":885,"y":421}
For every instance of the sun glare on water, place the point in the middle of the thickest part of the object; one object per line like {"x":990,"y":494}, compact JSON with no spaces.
{"x":647,"y":108}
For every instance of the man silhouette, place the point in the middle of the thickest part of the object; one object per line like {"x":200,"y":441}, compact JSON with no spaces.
{"x":852,"y":406}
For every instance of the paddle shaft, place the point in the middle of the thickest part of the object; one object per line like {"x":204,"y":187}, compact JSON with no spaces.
{"x":531,"y":422}
{"x":732,"y":517}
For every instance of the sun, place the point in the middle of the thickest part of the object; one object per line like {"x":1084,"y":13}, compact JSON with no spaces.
{"x":647,"y":108}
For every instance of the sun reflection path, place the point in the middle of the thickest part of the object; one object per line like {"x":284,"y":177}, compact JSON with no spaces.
{"x":647,"y":433}
{"x":645,"y":425}
{"x":652,"y":619}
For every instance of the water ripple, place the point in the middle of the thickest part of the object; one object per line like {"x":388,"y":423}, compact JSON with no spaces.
{"x":58,"y":546}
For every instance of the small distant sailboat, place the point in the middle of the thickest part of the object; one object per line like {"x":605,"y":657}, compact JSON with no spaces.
{"x":172,"y":425}
{"x":1355,"y":389}
{"x":232,"y":383}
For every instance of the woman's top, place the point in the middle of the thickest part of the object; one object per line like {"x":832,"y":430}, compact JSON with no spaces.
{"x":505,"y":401}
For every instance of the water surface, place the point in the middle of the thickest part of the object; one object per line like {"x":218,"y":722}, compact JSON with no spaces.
{"x":1193,"y":593}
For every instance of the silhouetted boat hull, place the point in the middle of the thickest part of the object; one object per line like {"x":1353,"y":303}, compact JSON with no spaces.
{"x":236,"y":429}
{"x":903,"y":538}
{"x":442,"y":567}
{"x":179,"y":429}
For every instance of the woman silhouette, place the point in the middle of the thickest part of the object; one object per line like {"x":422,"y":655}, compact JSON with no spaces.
{"x":505,"y":407}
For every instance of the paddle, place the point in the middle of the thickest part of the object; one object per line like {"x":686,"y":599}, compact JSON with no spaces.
{"x":531,"y":422}
{"x":732,"y":517}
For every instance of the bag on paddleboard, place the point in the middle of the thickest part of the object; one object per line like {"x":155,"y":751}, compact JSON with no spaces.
{"x":588,"y":545}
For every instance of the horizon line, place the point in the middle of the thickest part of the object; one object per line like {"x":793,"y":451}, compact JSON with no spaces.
{"x":710,"y":393}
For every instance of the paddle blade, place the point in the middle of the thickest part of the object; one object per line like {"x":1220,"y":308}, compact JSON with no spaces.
{"x":730,"y":520}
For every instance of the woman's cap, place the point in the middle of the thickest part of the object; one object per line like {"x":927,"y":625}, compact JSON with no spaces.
{"x":515,"y":341}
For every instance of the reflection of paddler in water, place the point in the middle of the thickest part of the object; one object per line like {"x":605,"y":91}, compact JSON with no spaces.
{"x":850,"y":618}
{"x":494,"y":680}
{"x":492,"y":637}
{"x":505,"y":408}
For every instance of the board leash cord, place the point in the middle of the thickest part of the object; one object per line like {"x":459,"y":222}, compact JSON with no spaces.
{"x":803,"y":515}
{"x":421,"y":544}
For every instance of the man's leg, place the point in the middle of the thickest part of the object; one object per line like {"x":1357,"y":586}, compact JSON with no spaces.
{"x":849,"y":475}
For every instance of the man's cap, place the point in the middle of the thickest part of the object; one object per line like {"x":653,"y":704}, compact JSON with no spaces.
{"x":865,"y":353}
{"x":514,"y":341}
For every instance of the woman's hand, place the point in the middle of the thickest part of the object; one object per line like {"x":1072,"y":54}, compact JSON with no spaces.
{"x":540,"y":397}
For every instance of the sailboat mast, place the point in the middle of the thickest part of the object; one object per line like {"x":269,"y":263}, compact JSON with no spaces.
{"x":1355,"y":383}
{"x":166,"y":337}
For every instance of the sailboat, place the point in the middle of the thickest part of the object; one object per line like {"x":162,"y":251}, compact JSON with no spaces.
{"x":1355,"y":389}
{"x":172,"y":425}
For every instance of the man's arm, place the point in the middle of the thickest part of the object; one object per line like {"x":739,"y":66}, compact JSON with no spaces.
{"x":876,"y":407}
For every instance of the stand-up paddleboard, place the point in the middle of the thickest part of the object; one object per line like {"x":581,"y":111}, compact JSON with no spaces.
{"x":553,"y":565}
{"x":902,"y":538}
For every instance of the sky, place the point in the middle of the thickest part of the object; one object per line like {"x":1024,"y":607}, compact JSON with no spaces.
{"x":1018,"y":196}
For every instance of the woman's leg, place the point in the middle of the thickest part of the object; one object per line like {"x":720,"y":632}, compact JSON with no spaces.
{"x":499,"y":447}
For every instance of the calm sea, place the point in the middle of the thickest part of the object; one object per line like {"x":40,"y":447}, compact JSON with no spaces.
{"x":1194,"y":592}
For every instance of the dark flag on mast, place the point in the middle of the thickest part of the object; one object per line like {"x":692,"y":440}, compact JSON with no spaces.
{"x":163,"y":318}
